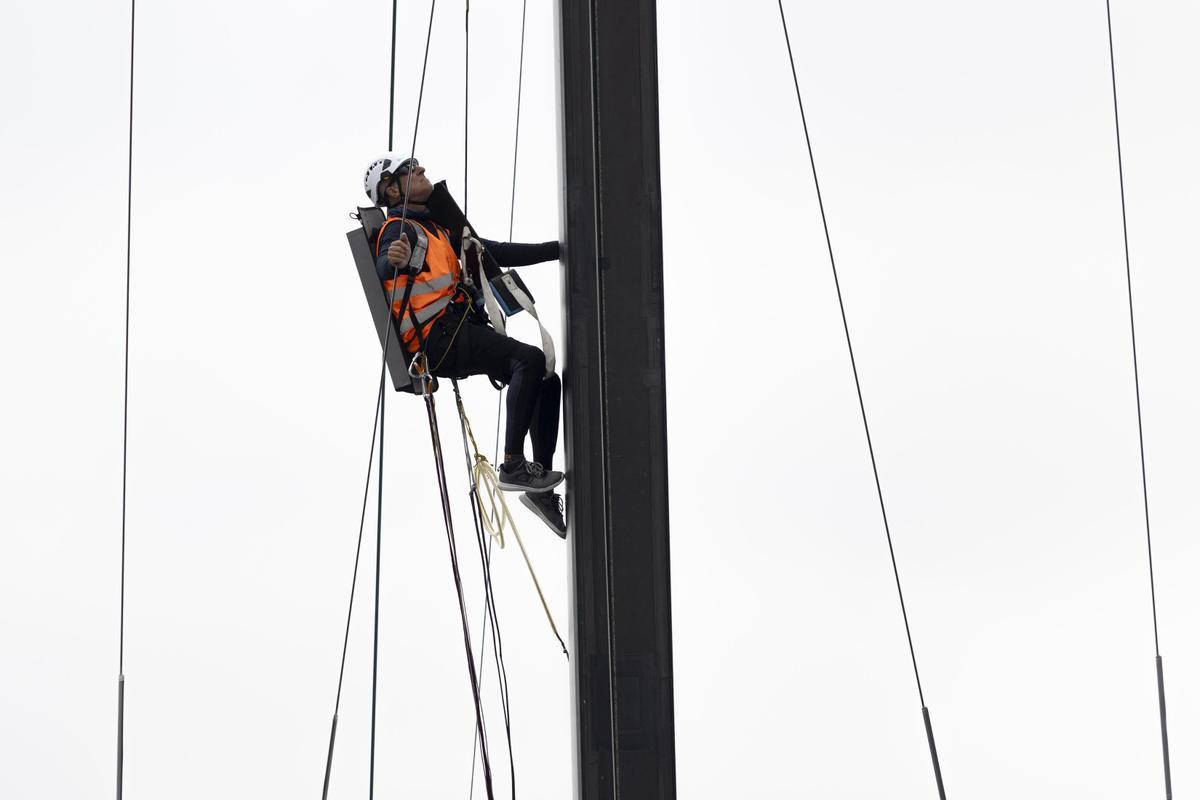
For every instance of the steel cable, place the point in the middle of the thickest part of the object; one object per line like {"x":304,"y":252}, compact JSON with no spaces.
{"x":1137,"y":392}
{"x":125,"y":416}
{"x":862,"y":408}
{"x":512,"y":200}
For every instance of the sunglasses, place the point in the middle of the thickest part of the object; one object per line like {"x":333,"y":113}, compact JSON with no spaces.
{"x":404,"y":167}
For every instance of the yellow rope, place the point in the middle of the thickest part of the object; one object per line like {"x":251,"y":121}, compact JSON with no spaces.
{"x":487,"y":484}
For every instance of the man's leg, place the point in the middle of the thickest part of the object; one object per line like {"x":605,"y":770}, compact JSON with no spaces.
{"x":543,"y":429}
{"x":543,"y":432}
{"x":527,"y":370}
{"x":469,"y":349}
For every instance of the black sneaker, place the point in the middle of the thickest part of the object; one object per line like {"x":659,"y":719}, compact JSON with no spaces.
{"x":528,"y":476}
{"x":549,"y":507}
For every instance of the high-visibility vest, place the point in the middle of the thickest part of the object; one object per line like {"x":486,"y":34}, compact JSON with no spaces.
{"x":433,"y":287}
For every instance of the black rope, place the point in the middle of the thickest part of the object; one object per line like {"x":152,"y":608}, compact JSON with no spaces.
{"x":1137,"y":391}
{"x":377,"y":429}
{"x":512,"y":201}
{"x":490,"y":616}
{"x":125,"y":418}
{"x":379,"y":413}
{"x":466,"y":100}
{"x":392,"y":83}
{"x":378,"y":562}
{"x":353,"y":585}
{"x":862,"y":406}
{"x":485,"y":554}
{"x":439,"y":464}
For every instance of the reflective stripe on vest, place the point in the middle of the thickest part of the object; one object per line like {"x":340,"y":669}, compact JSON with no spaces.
{"x":424,"y":315}
{"x":433,"y":287}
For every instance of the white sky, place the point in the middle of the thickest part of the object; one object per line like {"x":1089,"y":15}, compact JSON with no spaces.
{"x":967,"y":157}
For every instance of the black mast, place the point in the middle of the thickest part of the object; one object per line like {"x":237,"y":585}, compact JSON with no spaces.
{"x":616,"y":426}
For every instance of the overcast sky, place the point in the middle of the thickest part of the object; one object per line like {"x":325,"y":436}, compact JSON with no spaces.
{"x":967,"y":156}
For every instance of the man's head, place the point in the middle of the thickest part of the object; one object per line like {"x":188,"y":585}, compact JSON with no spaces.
{"x":389,"y":178}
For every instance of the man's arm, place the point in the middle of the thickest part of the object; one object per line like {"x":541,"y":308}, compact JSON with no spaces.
{"x":514,"y":254}
{"x":395,"y":250}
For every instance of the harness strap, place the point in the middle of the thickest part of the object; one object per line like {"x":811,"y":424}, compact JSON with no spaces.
{"x":493,"y":306}
{"x":495,"y":315}
{"x":419,"y":318}
{"x":416,"y":258}
{"x":526,"y":303}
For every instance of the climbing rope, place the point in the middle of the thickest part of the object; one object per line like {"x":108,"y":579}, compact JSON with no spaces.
{"x":439,"y":464}
{"x":125,"y":420}
{"x":483,"y":542}
{"x":937,"y":770}
{"x":1137,"y":392}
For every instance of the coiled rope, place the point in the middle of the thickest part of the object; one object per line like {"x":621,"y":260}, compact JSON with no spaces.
{"x":494,"y":513}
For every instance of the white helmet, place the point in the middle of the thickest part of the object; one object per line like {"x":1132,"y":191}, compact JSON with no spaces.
{"x":381,"y":170}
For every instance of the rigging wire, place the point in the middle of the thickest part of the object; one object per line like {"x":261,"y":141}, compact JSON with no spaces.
{"x":485,"y":560}
{"x":487,"y":554}
{"x":862,"y":407}
{"x":125,"y":420}
{"x":489,"y":615}
{"x":512,"y":200}
{"x":485,"y":557}
{"x":1137,"y":391}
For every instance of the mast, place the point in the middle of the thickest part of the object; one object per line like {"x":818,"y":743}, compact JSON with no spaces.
{"x":615,"y":405}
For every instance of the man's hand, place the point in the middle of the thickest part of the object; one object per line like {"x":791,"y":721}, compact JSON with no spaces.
{"x":399,"y":252}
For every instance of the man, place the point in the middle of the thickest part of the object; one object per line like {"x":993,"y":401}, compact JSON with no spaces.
{"x":453,"y":333}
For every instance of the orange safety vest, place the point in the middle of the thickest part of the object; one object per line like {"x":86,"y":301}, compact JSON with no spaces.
{"x":433,"y":287}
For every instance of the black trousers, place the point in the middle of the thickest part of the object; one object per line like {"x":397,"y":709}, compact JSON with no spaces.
{"x":533,"y":396}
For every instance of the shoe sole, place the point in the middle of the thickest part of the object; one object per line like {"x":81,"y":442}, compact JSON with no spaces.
{"x":532,"y":506}
{"x":516,"y":487}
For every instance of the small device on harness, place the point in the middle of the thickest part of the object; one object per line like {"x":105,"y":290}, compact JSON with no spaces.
{"x":371,"y":221}
{"x":504,"y":287}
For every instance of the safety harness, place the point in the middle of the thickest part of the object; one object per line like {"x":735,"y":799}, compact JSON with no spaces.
{"x":504,"y":293}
